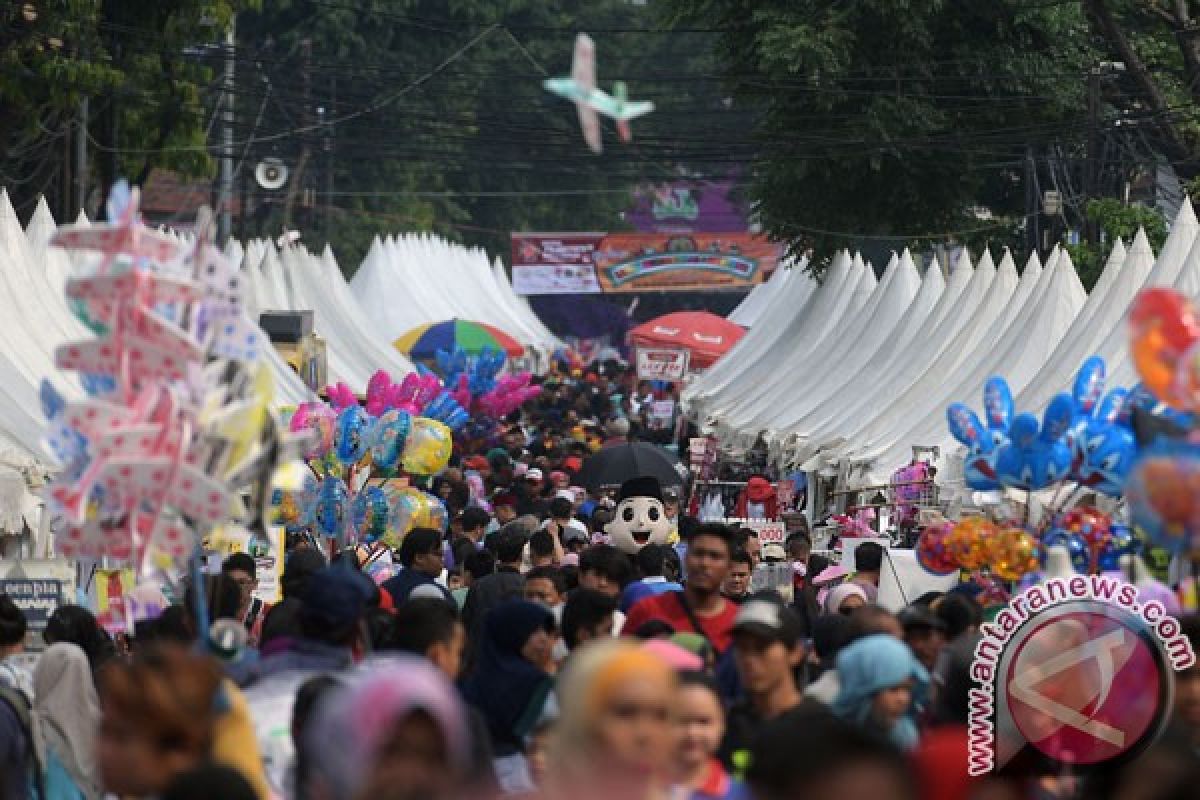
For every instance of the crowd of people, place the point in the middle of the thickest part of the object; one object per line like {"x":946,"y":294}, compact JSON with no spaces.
{"x":520,"y":654}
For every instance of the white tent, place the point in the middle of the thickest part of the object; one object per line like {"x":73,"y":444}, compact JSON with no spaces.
{"x":355,"y":350}
{"x":1109,"y":336}
{"x":758,"y":342}
{"x":898,"y":365}
{"x":1030,"y":337}
{"x":416,"y":279}
{"x":755,"y":303}
{"x":853,"y":378}
{"x":840,"y":293}
{"x":859,"y":327}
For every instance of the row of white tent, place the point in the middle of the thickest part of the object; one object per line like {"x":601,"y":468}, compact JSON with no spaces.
{"x":848,"y":376}
{"x":416,"y":278}
{"x":407,"y":281}
{"x":754,"y":305}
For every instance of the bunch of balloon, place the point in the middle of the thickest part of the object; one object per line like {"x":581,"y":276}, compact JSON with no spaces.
{"x":1163,"y":490}
{"x":404,"y":432}
{"x":976,"y":545}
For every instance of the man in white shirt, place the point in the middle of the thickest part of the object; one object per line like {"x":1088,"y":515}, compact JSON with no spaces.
{"x":562,"y":513}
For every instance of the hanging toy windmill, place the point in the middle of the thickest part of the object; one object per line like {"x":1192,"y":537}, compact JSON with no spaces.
{"x":176,"y":419}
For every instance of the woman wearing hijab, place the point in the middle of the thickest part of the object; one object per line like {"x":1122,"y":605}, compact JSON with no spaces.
{"x":66,"y":716}
{"x":76,"y":625}
{"x":844,"y":598}
{"x":615,"y":735}
{"x":395,"y":730}
{"x":511,"y":684}
{"x":879,"y":680}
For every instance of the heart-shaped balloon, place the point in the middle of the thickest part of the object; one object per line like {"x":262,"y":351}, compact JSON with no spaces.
{"x":1163,"y":492}
{"x":1164,"y":326}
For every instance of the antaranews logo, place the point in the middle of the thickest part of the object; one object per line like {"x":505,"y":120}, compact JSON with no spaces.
{"x":1081,"y":669}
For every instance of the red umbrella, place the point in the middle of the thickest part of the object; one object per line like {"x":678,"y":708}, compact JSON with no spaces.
{"x":705,"y":335}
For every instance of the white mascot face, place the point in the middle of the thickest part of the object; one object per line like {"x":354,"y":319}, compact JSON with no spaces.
{"x":638,"y":522}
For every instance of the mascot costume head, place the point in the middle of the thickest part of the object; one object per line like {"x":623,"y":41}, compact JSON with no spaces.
{"x":640,"y":517}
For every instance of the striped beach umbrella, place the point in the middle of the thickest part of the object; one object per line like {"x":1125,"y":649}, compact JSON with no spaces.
{"x":423,"y":342}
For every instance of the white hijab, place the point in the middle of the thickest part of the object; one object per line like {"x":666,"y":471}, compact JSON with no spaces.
{"x":66,"y":713}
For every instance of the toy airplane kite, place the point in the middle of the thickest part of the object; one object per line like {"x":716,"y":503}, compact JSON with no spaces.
{"x":589,"y":101}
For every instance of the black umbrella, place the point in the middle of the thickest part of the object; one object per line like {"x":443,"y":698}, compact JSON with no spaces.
{"x":617,"y":463}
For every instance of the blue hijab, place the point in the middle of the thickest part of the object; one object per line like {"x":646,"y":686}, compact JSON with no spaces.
{"x":505,"y":687}
{"x":870,"y":665}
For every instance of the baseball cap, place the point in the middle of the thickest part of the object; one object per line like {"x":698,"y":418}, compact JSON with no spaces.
{"x":917,"y":617}
{"x":533,"y":474}
{"x":768,"y":619}
{"x":335,"y":596}
{"x":774,"y":552}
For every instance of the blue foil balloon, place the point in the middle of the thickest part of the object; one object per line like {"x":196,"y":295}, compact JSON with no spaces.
{"x":1076,"y":547}
{"x":329,"y":512}
{"x":350,"y":436}
{"x":369,"y":513}
{"x":1121,"y":542}
{"x":388,"y":436}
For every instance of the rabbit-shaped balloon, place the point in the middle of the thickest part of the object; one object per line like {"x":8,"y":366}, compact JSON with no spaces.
{"x":1102,"y":445}
{"x":341,"y":396}
{"x":1036,"y":457}
{"x":983,"y":444}
{"x":379,"y":392}
{"x":452,"y":363}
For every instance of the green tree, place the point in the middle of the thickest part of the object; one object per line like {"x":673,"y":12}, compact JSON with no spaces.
{"x":140,"y":63}
{"x":460,"y":137}
{"x":897,"y":119}
{"x":1158,"y":44}
{"x":1115,"y":220}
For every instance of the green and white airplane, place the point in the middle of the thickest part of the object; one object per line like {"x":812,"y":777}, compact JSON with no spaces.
{"x":589,"y":101}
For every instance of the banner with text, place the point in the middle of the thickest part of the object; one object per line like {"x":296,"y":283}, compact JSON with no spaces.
{"x":555,"y":263}
{"x":585,"y":263}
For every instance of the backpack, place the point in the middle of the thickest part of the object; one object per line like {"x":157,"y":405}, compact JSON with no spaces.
{"x":19,"y":703}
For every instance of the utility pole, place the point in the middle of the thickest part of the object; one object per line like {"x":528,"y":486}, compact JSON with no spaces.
{"x":1094,"y":169}
{"x":330,"y":113}
{"x":296,"y":184}
{"x":1093,"y":148}
{"x":81,"y":158}
{"x":1033,"y":204}
{"x":225,"y":187}
{"x":68,"y":184}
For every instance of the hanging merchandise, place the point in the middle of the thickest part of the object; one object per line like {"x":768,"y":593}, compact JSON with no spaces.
{"x":405,"y":428}
{"x":175,"y":430}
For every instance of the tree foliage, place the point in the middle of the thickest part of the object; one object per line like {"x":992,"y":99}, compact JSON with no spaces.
{"x":896,"y":119}
{"x":136,"y":61}
{"x":461,"y":138}
{"x":1157,"y":41}
{"x":1117,"y":221}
